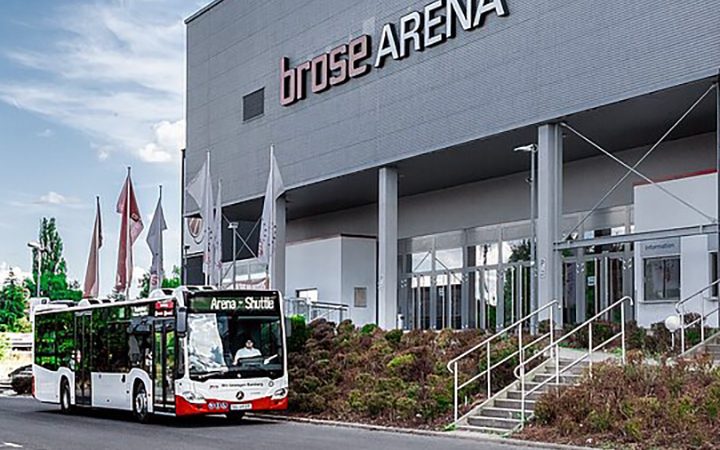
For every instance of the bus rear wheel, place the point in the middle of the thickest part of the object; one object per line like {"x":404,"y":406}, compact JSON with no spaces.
{"x":65,"y":403}
{"x":140,"y":406}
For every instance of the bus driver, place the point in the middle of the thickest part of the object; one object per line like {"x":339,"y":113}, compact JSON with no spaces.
{"x":249,"y":351}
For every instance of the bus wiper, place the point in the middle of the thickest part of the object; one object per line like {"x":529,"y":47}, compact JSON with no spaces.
{"x":206,"y":375}
{"x":267,"y":360}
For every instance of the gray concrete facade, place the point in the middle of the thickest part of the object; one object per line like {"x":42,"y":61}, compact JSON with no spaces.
{"x":540,"y":62}
{"x":418,"y":153}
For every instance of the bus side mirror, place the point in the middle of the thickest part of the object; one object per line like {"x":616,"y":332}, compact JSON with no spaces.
{"x":181,"y":327}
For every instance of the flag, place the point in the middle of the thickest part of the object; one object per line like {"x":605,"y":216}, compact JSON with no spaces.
{"x":130,"y":228}
{"x":155,"y":242}
{"x":268,"y":228}
{"x":216,"y":274}
{"x":91,"y":287}
{"x":200,"y":189}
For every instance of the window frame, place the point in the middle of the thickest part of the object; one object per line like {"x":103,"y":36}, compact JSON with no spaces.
{"x":664,"y":260}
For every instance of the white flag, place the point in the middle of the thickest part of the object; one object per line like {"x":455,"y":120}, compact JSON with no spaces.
{"x":155,"y":242}
{"x":268,"y":228}
{"x":216,"y":253}
{"x":200,"y":189}
{"x":91,"y":287}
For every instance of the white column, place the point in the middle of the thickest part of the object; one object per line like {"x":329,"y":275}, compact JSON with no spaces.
{"x":277,"y":277}
{"x":549,"y":214}
{"x":387,"y":248}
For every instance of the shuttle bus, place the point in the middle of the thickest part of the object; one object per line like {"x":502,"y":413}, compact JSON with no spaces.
{"x":189,"y":352}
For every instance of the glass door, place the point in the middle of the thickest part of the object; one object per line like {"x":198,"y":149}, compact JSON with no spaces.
{"x":83,"y":357}
{"x":164,"y":363}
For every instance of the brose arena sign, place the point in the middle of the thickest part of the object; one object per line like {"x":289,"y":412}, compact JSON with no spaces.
{"x":415,"y":31}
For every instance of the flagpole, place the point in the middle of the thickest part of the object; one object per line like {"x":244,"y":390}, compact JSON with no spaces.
{"x":97,"y":243}
{"x":127,"y":235}
{"x":208,"y":224}
{"x":158,"y":269}
{"x":271,"y":264}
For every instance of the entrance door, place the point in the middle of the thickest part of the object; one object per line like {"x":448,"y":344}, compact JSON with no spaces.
{"x":164,"y":363}
{"x":83,"y":357}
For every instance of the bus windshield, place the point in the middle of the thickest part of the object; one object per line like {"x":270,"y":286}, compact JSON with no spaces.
{"x":229,"y":344}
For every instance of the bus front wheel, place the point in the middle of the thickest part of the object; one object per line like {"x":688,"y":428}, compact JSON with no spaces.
{"x":65,"y":403}
{"x":140,"y":406}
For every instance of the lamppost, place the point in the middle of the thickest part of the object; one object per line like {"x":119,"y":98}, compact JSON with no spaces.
{"x":532,"y":149}
{"x":233,"y":226}
{"x":40,"y":250}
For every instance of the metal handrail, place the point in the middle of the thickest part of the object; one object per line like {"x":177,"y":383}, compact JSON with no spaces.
{"x":703,"y":316}
{"x":452,"y":365}
{"x":554,"y":348}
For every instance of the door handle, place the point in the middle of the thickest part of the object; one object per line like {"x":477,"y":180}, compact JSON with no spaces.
{"x":122,"y":380}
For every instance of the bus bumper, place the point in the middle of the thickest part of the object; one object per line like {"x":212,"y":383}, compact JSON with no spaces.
{"x":210,"y":406}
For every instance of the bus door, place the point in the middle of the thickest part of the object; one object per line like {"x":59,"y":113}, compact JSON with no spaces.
{"x":83,"y":357}
{"x":164,"y":363}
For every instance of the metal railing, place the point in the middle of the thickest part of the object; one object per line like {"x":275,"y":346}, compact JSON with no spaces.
{"x":516,"y":326}
{"x":316,"y":310}
{"x":681,"y":310}
{"x":554,"y":349}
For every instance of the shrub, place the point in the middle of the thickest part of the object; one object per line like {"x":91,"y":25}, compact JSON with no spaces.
{"x":368,"y":328}
{"x":4,"y":346}
{"x":639,"y":406}
{"x":298,"y":333}
{"x":394,"y":336}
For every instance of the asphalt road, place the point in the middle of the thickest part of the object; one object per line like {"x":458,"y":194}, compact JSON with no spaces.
{"x":32,"y":425}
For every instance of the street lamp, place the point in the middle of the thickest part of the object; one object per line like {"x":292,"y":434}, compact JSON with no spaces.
{"x":532,"y":149}
{"x":234,"y":226}
{"x":40,"y":250}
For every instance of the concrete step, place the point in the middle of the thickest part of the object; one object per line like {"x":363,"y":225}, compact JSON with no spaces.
{"x":566,"y":378}
{"x":485,"y":430}
{"x":713,"y":348}
{"x":493,"y":422}
{"x":510,"y":403}
{"x":503,"y":413}
{"x":575,"y":370}
{"x":530,"y":385}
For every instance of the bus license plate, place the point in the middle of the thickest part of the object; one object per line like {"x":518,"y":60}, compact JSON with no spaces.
{"x":241,"y":406}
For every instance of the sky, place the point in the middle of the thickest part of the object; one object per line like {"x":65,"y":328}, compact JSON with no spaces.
{"x":87,"y":89}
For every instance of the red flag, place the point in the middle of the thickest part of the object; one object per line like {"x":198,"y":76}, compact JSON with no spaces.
{"x":92,"y":274}
{"x":130,"y":229}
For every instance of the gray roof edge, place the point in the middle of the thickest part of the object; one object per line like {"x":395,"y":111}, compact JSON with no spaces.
{"x":202,"y":11}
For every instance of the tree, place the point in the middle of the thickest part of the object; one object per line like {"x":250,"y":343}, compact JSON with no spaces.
{"x":53,"y":278}
{"x":13,"y":302}
{"x":170,"y":283}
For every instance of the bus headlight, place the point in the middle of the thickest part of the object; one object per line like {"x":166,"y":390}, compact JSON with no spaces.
{"x":193,"y":397}
{"x":280,"y":393}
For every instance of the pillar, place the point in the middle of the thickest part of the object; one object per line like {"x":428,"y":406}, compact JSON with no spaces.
{"x":387,"y":248}
{"x":549,"y":173}
{"x":277,"y":275}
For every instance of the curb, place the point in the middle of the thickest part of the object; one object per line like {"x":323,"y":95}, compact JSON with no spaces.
{"x":478,"y":437}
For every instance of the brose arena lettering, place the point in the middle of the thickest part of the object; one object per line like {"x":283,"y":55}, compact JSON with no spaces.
{"x":418,"y":30}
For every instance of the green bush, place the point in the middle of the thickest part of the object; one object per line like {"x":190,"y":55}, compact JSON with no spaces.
{"x":4,"y":346}
{"x":298,"y":333}
{"x":394,"y":336}
{"x":368,"y":329}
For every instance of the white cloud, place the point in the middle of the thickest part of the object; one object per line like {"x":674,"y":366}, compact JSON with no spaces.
{"x":18,"y":273}
{"x":116,"y":73}
{"x":53,"y":198}
{"x":46,"y":133}
{"x":169,"y":139}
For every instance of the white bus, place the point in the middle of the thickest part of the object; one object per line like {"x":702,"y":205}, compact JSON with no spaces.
{"x":194,"y":351}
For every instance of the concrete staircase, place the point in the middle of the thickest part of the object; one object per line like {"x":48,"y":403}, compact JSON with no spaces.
{"x":502,"y":413}
{"x":711,"y":346}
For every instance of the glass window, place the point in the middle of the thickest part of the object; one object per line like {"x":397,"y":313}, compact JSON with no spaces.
{"x":254,"y":104}
{"x":487,"y":254}
{"x":45,"y":354}
{"x":421,"y":262}
{"x":360,"y":297}
{"x":449,"y":259}
{"x":307,"y":294}
{"x":662,"y":278}
{"x":714,"y":272}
